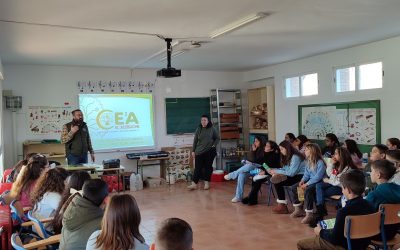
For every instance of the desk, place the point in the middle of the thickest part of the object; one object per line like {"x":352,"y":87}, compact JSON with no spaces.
{"x":96,"y":168}
{"x":160,"y":161}
{"x":71,"y":168}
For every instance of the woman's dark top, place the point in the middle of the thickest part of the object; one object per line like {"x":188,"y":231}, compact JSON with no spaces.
{"x":272,"y":159}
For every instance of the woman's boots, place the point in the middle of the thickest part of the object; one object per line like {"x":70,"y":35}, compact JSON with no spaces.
{"x":281,"y":208}
{"x":298,"y":211}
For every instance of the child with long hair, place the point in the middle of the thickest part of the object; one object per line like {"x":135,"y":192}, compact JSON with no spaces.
{"x":241,"y":174}
{"x":75,"y":182}
{"x":354,"y":151}
{"x":17,"y":167}
{"x":393,"y":143}
{"x":25,"y":182}
{"x":342,"y":162}
{"x":272,"y":158}
{"x":394,"y":157}
{"x":292,"y":162}
{"x":314,"y":173}
{"x":46,"y":195}
{"x":331,"y":143}
{"x":301,"y":142}
{"x":119,"y":227}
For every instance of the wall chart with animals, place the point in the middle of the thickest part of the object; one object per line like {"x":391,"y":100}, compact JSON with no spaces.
{"x":44,"y":120}
{"x":360,"y":121}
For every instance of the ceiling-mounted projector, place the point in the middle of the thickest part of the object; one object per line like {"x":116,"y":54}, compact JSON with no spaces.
{"x":169,"y":72}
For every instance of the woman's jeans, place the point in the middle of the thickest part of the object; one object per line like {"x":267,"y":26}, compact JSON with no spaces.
{"x":326,"y":190}
{"x":241,"y":174}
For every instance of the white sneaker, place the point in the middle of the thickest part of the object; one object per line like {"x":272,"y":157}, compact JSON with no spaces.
{"x":226,"y":177}
{"x":235,"y":200}
{"x":259,"y":177}
{"x":206,"y":185}
{"x":193,"y":186}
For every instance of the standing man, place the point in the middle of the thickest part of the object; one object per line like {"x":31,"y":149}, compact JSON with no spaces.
{"x":75,"y":136}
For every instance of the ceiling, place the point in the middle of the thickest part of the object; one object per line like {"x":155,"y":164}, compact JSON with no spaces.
{"x":295,"y":29}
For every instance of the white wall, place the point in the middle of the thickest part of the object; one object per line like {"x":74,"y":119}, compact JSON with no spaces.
{"x":387,"y":51}
{"x":55,"y":85}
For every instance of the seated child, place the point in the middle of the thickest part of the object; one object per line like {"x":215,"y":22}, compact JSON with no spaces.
{"x":385,"y":193}
{"x":394,"y":157}
{"x":378,"y":152}
{"x":173,"y":234}
{"x":83,"y":215}
{"x":353,"y":185}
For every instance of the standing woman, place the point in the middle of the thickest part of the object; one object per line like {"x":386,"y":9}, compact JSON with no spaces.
{"x":204,"y":151}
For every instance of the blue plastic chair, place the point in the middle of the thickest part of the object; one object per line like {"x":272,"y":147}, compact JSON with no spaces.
{"x":39,"y":227}
{"x":14,"y":213}
{"x":16,"y":242}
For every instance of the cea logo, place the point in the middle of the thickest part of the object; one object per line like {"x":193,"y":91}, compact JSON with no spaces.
{"x":107,"y":119}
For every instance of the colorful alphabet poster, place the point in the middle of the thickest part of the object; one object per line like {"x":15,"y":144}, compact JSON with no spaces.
{"x":44,"y":120}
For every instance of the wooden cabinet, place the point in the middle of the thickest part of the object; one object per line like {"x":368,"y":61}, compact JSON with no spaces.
{"x":261,"y":106}
{"x":53,"y":151}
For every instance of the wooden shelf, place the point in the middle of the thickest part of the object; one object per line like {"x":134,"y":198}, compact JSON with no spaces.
{"x":258,"y":131}
{"x":265,"y":115}
{"x":56,"y":156}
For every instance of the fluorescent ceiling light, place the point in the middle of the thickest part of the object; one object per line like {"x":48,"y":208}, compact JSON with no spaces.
{"x":238,"y":24}
{"x":174,"y":54}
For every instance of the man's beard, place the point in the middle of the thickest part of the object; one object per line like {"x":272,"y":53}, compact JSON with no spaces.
{"x":78,"y":121}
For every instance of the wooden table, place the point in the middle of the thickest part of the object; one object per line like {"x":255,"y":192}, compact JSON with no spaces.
{"x":70,"y":168}
{"x":97,"y":168}
{"x":144,"y":162}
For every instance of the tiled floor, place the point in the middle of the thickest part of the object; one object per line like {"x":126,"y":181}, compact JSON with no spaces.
{"x":217,"y":223}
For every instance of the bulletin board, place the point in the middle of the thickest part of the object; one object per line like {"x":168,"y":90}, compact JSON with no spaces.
{"x":183,"y":114}
{"x":360,"y":121}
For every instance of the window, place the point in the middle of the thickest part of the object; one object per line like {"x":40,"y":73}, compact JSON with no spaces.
{"x":346,"y":79}
{"x":304,"y":85}
{"x":364,"y":76}
{"x":370,"y":76}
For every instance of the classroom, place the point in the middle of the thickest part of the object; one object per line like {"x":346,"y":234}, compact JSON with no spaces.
{"x":281,"y":60}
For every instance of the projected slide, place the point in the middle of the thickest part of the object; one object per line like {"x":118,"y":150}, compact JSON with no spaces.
{"x":118,"y":121}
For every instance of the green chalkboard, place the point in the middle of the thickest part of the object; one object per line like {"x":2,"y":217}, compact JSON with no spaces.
{"x":183,"y":114}
{"x":360,"y":121}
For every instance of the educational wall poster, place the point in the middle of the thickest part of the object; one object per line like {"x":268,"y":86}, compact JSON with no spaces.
{"x":359,"y":121}
{"x":342,"y":124}
{"x":318,"y":121}
{"x":45,"y":120}
{"x":110,"y":87}
{"x":362,"y":125}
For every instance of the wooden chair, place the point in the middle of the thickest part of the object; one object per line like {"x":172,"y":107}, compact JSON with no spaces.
{"x":17,"y":243}
{"x":362,"y":226}
{"x":391,"y":217}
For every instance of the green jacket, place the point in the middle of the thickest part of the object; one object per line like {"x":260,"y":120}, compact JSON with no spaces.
{"x":80,"y":220}
{"x":205,"y":139}
{"x":79,"y":143}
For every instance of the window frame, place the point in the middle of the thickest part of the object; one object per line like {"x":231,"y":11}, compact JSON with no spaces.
{"x":357,"y":77}
{"x":299,"y":76}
